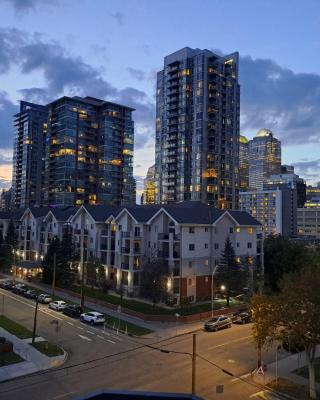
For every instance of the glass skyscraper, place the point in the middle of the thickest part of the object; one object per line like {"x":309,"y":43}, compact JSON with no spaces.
{"x":264,"y":158}
{"x":197,"y":128}
{"x":30,"y":126}
{"x":243,"y":163}
{"x":87,"y":153}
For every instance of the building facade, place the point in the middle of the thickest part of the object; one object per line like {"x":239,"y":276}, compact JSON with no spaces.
{"x":197,"y":128}
{"x":275,"y":209}
{"x":6,"y":200}
{"x":187,"y":237}
{"x":243,"y":163}
{"x":309,"y":222}
{"x":30,"y":126}
{"x":149,"y":187}
{"x":264,"y":158}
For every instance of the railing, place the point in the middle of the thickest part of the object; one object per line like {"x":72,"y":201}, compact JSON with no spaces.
{"x":125,"y":250}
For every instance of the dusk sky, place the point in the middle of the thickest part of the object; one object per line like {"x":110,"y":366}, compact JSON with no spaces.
{"x":112,"y":49}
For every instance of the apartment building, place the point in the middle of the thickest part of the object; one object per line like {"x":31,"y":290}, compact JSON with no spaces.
{"x":309,"y":222}
{"x":187,"y":237}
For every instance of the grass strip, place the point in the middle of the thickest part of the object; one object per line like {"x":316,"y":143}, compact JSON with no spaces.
{"x":14,"y":328}
{"x":9,"y":358}
{"x":48,"y":348}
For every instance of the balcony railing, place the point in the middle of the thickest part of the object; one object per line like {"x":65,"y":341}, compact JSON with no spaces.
{"x":125,"y":250}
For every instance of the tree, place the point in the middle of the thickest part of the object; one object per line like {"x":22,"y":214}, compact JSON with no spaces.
{"x":281,"y":256}
{"x":153,"y":280}
{"x":230,"y":273}
{"x":11,"y":236}
{"x":8,"y":245}
{"x":47,"y":263}
{"x":293,"y":312}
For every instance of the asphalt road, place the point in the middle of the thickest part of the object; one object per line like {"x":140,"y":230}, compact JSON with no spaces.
{"x":101,"y":359}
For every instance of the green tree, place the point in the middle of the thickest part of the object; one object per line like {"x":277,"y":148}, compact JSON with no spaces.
{"x":282,"y":256}
{"x":153,"y":280}
{"x":230,"y":273}
{"x":11,"y":236}
{"x":47,"y":263}
{"x":293,"y":312}
{"x":8,"y":244}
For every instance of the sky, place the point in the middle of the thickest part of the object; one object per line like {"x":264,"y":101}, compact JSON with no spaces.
{"x":113,"y":49}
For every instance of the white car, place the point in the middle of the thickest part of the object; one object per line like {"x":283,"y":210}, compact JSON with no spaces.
{"x":92,"y":318}
{"x":45,"y":298}
{"x":57,"y":305}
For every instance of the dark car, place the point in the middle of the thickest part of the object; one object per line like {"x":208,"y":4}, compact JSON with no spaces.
{"x":8,"y":285}
{"x":20,"y":288}
{"x":73,"y":311}
{"x":243,"y":317}
{"x":30,"y":294}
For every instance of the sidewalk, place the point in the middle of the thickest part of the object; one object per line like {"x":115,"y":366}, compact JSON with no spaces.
{"x":284,"y":369}
{"x":34,"y":360}
{"x":161,"y":329}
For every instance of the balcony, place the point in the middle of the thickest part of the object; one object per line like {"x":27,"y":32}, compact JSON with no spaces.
{"x":124,"y":266}
{"x":125,"y":250}
{"x":126,"y":234}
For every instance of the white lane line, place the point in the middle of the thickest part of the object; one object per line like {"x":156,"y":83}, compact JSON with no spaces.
{"x":229,"y":342}
{"x":80,"y":327}
{"x":241,"y":377}
{"x":70,"y":323}
{"x":108,"y":340}
{"x":100,"y":337}
{"x":85,"y":338}
{"x":91,"y":333}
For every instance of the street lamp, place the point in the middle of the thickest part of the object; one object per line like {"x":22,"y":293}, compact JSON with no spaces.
{"x":222,"y":288}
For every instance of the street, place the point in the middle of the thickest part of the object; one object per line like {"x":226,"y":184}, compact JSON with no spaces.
{"x":99,"y":358}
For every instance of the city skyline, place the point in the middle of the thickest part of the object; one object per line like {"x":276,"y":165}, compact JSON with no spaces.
{"x":278,"y":89}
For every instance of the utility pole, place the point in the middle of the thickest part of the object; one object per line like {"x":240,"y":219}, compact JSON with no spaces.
{"x":82,"y":268}
{"x":35,"y":321}
{"x":3,"y":304}
{"x":54,"y":272}
{"x":194,"y":355}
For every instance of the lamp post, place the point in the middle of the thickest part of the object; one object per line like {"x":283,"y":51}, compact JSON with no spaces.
{"x":214,"y":269}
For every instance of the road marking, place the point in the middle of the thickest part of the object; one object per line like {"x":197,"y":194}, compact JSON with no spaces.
{"x":85,"y":338}
{"x":231,"y":361}
{"x":230,"y":341}
{"x":80,"y":327}
{"x":108,"y":340}
{"x":241,"y":377}
{"x":91,"y":333}
{"x":70,"y":323}
{"x":100,"y":337}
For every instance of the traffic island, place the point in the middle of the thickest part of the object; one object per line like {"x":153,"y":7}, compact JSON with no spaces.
{"x":9,"y":359}
{"x":48,"y":349}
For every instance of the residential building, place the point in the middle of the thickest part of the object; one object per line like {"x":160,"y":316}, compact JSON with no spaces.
{"x":264,"y":158}
{"x":6,"y":200}
{"x":243,"y":163}
{"x":149,"y":187}
{"x":89,"y":152}
{"x":275,"y":209}
{"x":290,"y":180}
{"x":30,"y":126}
{"x":187,"y":237}
{"x":309,"y":222}
{"x":197,"y":128}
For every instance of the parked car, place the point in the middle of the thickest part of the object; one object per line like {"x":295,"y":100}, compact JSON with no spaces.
{"x":20,"y":288}
{"x":216,"y":323}
{"x":92,"y":317}
{"x":45,"y":298}
{"x":7,"y":284}
{"x":57,"y":305}
{"x":30,"y":294}
{"x":73,"y":311}
{"x":243,"y":317}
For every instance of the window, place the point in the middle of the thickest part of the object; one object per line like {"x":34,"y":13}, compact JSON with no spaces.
{"x":249,"y":245}
{"x":230,"y":230}
{"x":206,"y":262}
{"x":156,"y":228}
{"x":191,"y":229}
{"x":216,"y":246}
{"x":149,"y":229}
{"x":206,"y":229}
{"x":154,"y":245}
{"x":91,"y":240}
{"x":238,"y":230}
{"x":206,"y":279}
{"x":206,"y":245}
{"x":250,"y":231}
{"x":120,"y":228}
{"x":191,"y":247}
{"x":190,"y":264}
{"x":149,"y":244}
{"x":91,"y":226}
{"x":54,"y":224}
{"x":190,"y":282}
{"x":238,"y":244}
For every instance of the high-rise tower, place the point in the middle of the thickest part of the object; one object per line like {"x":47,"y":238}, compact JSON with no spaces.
{"x":197,"y":128}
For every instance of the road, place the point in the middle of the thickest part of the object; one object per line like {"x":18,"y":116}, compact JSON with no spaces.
{"x":102,"y":359}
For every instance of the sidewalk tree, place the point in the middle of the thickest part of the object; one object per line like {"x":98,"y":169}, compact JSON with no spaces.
{"x":153,"y":280}
{"x":293,"y":313}
{"x":230,"y":273}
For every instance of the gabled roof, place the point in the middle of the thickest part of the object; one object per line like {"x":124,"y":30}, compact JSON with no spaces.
{"x":193,"y":212}
{"x":144,"y":212}
{"x":244,"y":218}
{"x":37,"y":212}
{"x":14,"y":215}
{"x":63,"y":213}
{"x":101,"y":213}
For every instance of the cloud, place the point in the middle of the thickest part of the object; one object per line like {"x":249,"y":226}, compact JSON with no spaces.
{"x":23,"y":6}
{"x":279,"y":99}
{"x":136,"y":73}
{"x":119,"y":17}
{"x":309,"y":170}
{"x":7,"y":110}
